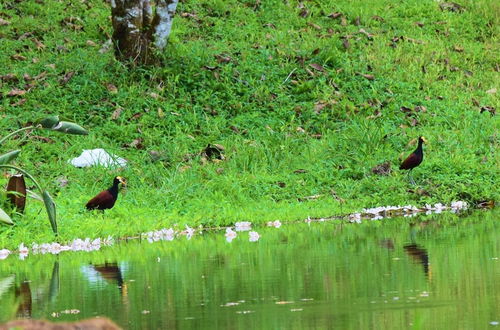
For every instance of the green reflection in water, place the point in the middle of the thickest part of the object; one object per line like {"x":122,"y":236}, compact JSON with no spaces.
{"x":432,"y":272}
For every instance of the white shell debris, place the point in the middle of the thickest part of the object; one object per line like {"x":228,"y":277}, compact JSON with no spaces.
{"x":97,"y":157}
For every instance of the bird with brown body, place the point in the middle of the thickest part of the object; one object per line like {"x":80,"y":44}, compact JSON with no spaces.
{"x":414,"y":159}
{"x":106,"y":199}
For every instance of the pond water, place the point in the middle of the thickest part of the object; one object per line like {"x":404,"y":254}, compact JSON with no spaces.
{"x":427,"y":272}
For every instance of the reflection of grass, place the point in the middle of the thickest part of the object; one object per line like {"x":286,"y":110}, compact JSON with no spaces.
{"x":198,"y":106}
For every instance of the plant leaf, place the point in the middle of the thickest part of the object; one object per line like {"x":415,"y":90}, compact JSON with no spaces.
{"x":4,"y":217}
{"x":70,"y":128}
{"x":34,"y":195}
{"x":8,"y":157}
{"x":51,"y":210}
{"x":16,"y":192}
{"x":49,"y":122}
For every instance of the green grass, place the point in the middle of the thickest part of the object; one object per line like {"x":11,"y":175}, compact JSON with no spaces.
{"x":268,"y":91}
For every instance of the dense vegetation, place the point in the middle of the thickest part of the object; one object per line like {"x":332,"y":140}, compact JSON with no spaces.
{"x":306,"y":98}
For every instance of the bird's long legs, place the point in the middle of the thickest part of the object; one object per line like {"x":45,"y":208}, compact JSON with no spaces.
{"x":411,"y":177}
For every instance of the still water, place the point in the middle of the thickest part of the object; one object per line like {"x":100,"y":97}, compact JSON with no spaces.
{"x":429,"y":272}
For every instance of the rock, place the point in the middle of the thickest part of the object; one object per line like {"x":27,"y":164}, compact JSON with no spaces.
{"x":90,"y":324}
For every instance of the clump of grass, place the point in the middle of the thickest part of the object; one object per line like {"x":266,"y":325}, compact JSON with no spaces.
{"x":304,"y":104}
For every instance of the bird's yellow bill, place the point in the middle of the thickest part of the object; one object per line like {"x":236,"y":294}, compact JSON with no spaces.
{"x":122,"y":180}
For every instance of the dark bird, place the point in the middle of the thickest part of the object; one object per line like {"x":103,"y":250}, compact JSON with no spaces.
{"x":414,"y":159}
{"x":106,"y":199}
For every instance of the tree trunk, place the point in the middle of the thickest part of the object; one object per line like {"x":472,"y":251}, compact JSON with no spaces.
{"x":141,"y":29}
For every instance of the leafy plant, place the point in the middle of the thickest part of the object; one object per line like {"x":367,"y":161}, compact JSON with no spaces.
{"x":52,"y":123}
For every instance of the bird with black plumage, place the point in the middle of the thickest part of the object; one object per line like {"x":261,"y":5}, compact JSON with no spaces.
{"x":106,"y":199}
{"x":414,"y":159}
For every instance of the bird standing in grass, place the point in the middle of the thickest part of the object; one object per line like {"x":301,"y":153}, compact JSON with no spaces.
{"x":106,"y":199}
{"x":414,"y":159}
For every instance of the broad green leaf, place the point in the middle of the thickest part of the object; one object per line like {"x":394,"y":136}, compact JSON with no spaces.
{"x":49,"y":122}
{"x":4,"y":217}
{"x":8,"y":157}
{"x":51,"y":210}
{"x":70,"y":128}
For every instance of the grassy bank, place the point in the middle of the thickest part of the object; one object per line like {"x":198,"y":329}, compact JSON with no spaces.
{"x":304,"y":104}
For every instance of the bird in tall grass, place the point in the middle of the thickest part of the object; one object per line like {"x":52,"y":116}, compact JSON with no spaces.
{"x":414,"y":159}
{"x":106,"y":199}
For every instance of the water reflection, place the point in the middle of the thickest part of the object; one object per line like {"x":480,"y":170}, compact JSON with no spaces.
{"x":313,"y":275}
{"x":419,"y":255}
{"x":23,"y":296}
{"x":111,"y":272}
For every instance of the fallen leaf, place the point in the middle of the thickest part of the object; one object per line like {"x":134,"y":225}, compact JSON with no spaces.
{"x":377,"y":18}
{"x":420,"y":108}
{"x":419,"y":24}
{"x":213,"y":151}
{"x":376,"y":114}
{"x":315,"y":26}
{"x":491,"y":91}
{"x":136,"y":116}
{"x":367,"y":76}
{"x":90,"y":43}
{"x":106,"y":46}
{"x":136,"y":143}
{"x":161,"y":114}
{"x":3,"y":22}
{"x":223,"y":58}
{"x":357,"y":21}
{"x":382,"y":169}
{"x":346,"y":43}
{"x":405,"y":109}
{"x":281,"y":184}
{"x":16,"y":92}
{"x":458,"y":49}
{"x":316,"y":66}
{"x":18,"y":57}
{"x":42,"y":139}
{"x":18,"y":103}
{"x":66,"y":78}
{"x":309,"y":198}
{"x":111,"y":88}
{"x":39,"y":45}
{"x":318,"y":106}
{"x":116,"y":114}
{"x":41,"y":76}
{"x":62,"y":181}
{"x":9,"y":77}
{"x":16,"y":192}
{"x":489,"y":109}
{"x":334,"y":15}
{"x":451,"y":6}
{"x":367,"y":34}
{"x":300,"y":171}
